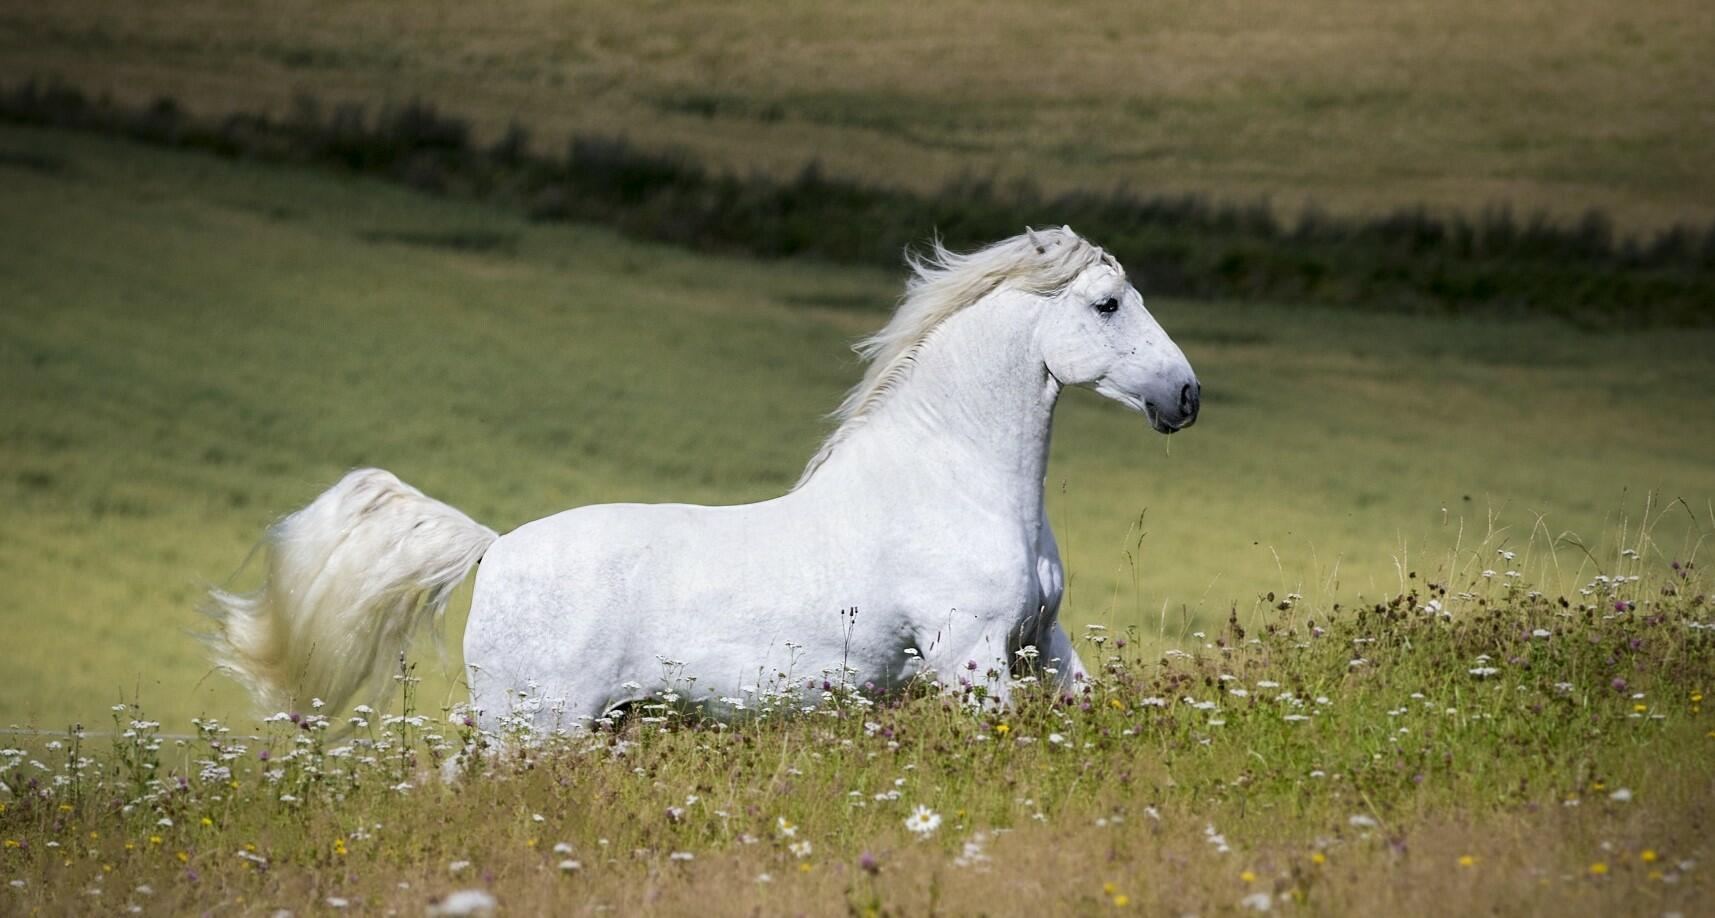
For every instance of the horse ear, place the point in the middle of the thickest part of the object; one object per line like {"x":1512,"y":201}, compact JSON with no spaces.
{"x":1035,"y":241}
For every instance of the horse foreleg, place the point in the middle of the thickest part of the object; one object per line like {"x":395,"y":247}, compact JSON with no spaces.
{"x":980,"y":665}
{"x":1060,"y":656}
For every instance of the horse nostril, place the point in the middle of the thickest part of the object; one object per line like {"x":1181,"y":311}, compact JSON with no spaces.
{"x":1188,"y":398}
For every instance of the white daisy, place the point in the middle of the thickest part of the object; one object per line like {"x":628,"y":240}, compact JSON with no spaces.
{"x":923,"y":820}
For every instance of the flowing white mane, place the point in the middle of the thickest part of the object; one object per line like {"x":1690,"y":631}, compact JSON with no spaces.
{"x":942,"y":283}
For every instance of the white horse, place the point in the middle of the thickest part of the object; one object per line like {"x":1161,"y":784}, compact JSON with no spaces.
{"x":922,"y":512}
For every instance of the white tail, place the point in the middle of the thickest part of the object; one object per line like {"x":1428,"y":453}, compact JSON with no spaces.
{"x":350,"y":577}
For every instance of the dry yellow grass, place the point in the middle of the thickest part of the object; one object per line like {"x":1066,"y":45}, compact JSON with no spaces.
{"x":1553,"y":104}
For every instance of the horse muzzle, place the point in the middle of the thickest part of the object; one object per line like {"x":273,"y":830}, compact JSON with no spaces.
{"x":1181,"y":415}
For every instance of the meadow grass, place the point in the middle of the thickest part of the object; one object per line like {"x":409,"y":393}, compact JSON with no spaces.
{"x":1471,"y":744}
{"x":191,"y":347}
{"x":1555,"y":105}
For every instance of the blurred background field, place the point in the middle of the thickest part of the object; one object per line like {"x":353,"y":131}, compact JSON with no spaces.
{"x":191,"y":346}
{"x":1554,"y":105}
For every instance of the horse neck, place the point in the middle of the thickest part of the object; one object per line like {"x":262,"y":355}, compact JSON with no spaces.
{"x":972,"y":417}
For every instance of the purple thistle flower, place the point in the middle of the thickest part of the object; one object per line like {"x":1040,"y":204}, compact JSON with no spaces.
{"x":869,"y":864}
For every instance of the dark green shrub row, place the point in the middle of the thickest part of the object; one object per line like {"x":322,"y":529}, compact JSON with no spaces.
{"x":1183,"y":245}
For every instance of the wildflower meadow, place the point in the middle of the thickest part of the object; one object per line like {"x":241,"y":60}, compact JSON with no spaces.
{"x":1469,"y":744}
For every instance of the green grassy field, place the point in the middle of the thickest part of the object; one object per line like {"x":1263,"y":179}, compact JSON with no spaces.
{"x":190,"y":347}
{"x":1558,"y":105}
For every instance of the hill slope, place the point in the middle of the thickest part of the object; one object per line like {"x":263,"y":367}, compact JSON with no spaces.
{"x":1560,"y":105}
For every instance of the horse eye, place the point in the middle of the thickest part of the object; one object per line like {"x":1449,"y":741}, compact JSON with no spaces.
{"x":1108,"y":306}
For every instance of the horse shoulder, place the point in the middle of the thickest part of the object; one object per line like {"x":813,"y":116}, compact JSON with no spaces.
{"x":986,"y":569}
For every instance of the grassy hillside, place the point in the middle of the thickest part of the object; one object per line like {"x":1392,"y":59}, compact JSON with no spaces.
{"x":1178,"y":245}
{"x":190,"y":347}
{"x":1561,"y":105}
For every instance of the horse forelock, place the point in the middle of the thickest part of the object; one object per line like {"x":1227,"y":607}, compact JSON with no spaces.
{"x":942,"y":283}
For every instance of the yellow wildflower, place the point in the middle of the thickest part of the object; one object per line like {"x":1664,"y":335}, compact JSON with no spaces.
{"x":12,"y":843}
{"x":1655,"y":874}
{"x":1318,"y":858}
{"x":1598,"y":869}
{"x":803,"y":866}
{"x":1648,"y":855}
{"x":206,"y":822}
{"x":1002,"y":729}
{"x":1116,"y":704}
{"x":1696,"y":697}
{"x":339,"y":847}
{"x":154,"y":839}
{"x":1467,"y":860}
{"x":1122,"y":900}
{"x":1109,"y":888}
{"x":1248,"y":877}
{"x":1640,"y":708}
{"x":184,"y":857}
{"x":65,"y":807}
